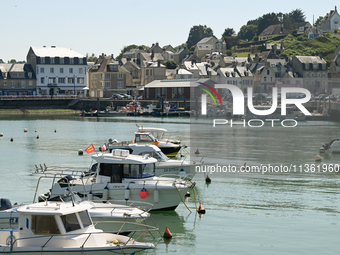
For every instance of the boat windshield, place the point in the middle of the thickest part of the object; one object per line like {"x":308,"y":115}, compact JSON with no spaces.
{"x":138,"y":171}
{"x":44,"y":225}
{"x":70,"y":222}
{"x":159,"y":155}
{"x":145,"y":137}
{"x":85,"y":218}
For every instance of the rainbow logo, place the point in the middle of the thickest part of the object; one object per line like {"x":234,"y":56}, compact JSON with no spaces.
{"x":209,"y":93}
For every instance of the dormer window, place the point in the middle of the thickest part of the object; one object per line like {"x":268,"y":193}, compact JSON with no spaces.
{"x":61,"y":61}
{"x":51,"y":60}
{"x":29,"y":75}
{"x":71,"y":61}
{"x":42,"y":60}
{"x":307,"y":65}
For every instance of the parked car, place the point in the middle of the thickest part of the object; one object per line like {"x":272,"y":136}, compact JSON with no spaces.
{"x":117,"y":96}
{"x":302,"y":95}
{"x":321,"y":96}
{"x":126,"y":96}
{"x":139,"y":97}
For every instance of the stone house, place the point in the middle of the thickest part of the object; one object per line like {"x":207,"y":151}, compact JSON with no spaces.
{"x":330,"y":21}
{"x":17,"y":80}
{"x":107,"y":77}
{"x":313,"y":69}
{"x":208,"y":45}
{"x":272,"y":31}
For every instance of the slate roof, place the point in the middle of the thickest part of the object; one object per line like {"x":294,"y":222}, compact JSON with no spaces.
{"x":56,"y":52}
{"x":274,"y":30}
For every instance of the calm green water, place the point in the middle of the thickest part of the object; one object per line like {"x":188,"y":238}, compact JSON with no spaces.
{"x":247,"y":213}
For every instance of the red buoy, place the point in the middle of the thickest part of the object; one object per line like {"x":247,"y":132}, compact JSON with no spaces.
{"x":37,"y":136}
{"x":143,"y":193}
{"x":167,"y":233}
{"x":201,"y":209}
{"x":11,"y":139}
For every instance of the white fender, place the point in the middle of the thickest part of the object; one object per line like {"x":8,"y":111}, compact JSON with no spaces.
{"x":156,"y":196}
{"x":127,"y":193}
{"x":105,"y":193}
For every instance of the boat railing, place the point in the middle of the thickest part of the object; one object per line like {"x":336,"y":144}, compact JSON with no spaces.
{"x":119,"y":143}
{"x":144,"y":206}
{"x":145,"y":228}
{"x":178,"y":177}
{"x":61,"y":171}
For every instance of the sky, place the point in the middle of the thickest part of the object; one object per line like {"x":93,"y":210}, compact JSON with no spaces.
{"x":106,"y":26}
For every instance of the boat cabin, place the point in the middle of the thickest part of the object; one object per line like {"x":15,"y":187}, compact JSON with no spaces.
{"x":158,"y":133}
{"x":148,"y":149}
{"x":119,"y":165}
{"x":39,"y":221}
{"x":145,"y":137}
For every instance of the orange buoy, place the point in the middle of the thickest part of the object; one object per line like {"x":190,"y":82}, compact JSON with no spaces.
{"x":187,"y":194}
{"x":207,"y":179}
{"x":25,"y":130}
{"x":143,"y":193}
{"x":167,"y":233}
{"x":11,"y":139}
{"x":197,"y":151}
{"x":201,"y":209}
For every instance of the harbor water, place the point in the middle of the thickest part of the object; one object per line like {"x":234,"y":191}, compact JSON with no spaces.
{"x":264,"y":211}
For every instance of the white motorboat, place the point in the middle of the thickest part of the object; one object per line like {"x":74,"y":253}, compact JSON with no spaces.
{"x":143,"y":137}
{"x":116,"y":213}
{"x":122,"y":176}
{"x":55,"y":227}
{"x":165,"y":166}
{"x":158,"y":133}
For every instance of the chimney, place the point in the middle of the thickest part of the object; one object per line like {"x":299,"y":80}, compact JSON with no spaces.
{"x":157,"y":44}
{"x":153,"y":45}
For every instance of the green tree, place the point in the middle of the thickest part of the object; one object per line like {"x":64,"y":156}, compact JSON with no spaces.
{"x":183,"y":45}
{"x":12,"y":61}
{"x":318,"y":21}
{"x":231,"y":41}
{"x":228,"y":32}
{"x":93,"y":58}
{"x":197,"y":33}
{"x":288,"y":22}
{"x":266,"y":20}
{"x":247,"y":32}
{"x":297,"y":15}
{"x":130,"y":47}
{"x":170,"y":64}
{"x":1,"y":61}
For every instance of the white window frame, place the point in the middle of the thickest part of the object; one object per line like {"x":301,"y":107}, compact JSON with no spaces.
{"x":120,"y":85}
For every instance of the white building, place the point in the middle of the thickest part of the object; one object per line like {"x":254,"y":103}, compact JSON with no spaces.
{"x":331,"y":21}
{"x":58,"y":70}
